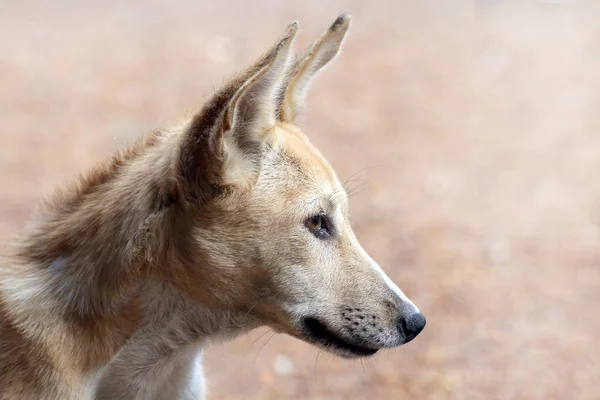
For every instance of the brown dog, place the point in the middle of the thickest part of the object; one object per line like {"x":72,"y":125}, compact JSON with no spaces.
{"x":230,"y":221}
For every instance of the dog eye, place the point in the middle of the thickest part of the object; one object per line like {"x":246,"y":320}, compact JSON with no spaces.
{"x":315,"y":222}
{"x":318,"y":226}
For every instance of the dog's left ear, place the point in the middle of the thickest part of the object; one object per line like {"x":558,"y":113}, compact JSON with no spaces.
{"x":307,"y":66}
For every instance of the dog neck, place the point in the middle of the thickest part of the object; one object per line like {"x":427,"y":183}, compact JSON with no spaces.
{"x":91,"y":271}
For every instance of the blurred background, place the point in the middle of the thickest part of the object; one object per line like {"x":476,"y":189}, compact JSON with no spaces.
{"x":472,"y":128}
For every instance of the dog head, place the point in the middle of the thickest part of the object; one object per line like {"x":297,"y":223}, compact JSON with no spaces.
{"x":265,"y":229}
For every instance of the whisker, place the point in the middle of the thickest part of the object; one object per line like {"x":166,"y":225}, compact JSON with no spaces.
{"x":354,"y":193}
{"x":261,"y":349}
{"x":255,"y":304}
{"x":258,"y":338}
{"x":357,"y":188}
{"x":317,"y":361}
{"x":352,"y":177}
{"x":347,"y":184}
{"x":331,"y":358}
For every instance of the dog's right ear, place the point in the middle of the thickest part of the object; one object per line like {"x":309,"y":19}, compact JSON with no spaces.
{"x":222,"y":147}
{"x":308,"y":65}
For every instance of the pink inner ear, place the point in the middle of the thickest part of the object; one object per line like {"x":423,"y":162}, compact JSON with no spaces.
{"x":308,"y":65}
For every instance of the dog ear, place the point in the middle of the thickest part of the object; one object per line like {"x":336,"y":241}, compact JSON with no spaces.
{"x":308,"y":65}
{"x":222,"y":146}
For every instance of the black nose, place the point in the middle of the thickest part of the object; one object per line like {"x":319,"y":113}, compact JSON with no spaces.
{"x":411,"y":326}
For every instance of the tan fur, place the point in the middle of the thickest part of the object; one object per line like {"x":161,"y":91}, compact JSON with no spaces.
{"x":199,"y":232}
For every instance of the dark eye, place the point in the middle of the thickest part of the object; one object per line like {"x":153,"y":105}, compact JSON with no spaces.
{"x":318,"y":225}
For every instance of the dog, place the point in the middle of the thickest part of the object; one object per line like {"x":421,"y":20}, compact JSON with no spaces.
{"x":226,"y":222}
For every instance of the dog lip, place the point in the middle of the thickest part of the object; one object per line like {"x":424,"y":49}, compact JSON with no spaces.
{"x":318,"y":332}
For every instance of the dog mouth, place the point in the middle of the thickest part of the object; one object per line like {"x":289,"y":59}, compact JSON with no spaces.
{"x":318,"y":333}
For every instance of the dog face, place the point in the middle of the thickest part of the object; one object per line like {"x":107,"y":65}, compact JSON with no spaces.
{"x":323,"y":287}
{"x":274,"y":238}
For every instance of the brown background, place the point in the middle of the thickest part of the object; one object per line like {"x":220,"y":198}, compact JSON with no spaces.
{"x":473,"y":127}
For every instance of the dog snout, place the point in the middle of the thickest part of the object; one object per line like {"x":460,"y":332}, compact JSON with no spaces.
{"x":410,"y":326}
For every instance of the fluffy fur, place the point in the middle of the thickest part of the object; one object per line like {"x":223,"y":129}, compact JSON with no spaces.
{"x":199,"y":232}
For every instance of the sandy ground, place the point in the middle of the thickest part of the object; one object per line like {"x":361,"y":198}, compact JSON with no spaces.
{"x":472,"y":126}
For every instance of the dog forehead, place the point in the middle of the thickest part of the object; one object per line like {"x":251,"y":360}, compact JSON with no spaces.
{"x":300,"y":160}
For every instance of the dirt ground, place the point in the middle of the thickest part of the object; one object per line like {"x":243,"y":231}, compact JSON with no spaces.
{"x":473,"y":128}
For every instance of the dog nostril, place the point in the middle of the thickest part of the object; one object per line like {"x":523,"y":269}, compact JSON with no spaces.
{"x":411,"y":326}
